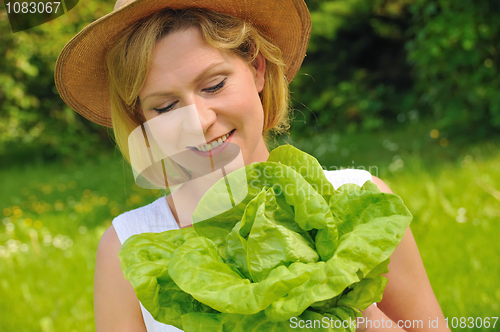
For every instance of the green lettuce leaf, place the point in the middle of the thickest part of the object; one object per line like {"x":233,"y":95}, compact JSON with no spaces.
{"x":272,"y":244}
{"x":375,"y":229}
{"x":306,"y":165}
{"x":311,"y":211}
{"x":364,"y":293}
{"x":309,"y":321}
{"x":198,"y":269}
{"x":144,"y":259}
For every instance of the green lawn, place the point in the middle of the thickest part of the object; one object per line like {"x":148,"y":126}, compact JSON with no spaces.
{"x":53,"y":216}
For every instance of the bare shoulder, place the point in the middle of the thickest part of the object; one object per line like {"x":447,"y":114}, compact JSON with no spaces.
{"x":381,"y":185}
{"x":408,"y":294}
{"x":116,"y":306}
{"x":109,"y":242}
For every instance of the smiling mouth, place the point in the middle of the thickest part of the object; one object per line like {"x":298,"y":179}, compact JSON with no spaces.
{"x":213,"y":144}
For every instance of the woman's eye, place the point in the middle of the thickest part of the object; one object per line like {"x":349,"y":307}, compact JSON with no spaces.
{"x":212,"y":89}
{"x":165,"y":109}
{"x":215,"y":88}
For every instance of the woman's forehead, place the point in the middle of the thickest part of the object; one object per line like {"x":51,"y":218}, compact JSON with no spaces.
{"x":185,"y":48}
{"x":183,"y":57}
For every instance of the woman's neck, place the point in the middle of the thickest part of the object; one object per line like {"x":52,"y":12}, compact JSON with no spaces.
{"x":184,"y":200}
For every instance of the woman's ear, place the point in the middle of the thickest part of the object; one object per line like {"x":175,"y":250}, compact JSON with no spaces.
{"x":259,"y":66}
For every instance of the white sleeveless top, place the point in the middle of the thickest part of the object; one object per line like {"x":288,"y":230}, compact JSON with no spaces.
{"x":157,"y":217}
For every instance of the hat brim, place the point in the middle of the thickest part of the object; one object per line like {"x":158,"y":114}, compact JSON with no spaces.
{"x":81,"y":71}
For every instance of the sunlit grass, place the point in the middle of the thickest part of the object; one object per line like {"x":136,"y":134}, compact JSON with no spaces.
{"x":52,"y":220}
{"x":53,"y":217}
{"x":457,"y":220}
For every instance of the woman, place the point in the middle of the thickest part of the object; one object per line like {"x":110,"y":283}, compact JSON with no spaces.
{"x":229,"y":64}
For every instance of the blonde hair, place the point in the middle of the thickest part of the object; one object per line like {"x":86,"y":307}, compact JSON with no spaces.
{"x":129,"y":59}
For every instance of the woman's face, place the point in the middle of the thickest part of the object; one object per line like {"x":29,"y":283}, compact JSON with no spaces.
{"x":195,"y":93}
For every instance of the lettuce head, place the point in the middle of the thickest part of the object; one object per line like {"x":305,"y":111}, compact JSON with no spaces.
{"x":292,"y":248}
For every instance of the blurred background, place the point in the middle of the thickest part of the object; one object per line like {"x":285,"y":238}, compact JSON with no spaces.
{"x":407,"y":89}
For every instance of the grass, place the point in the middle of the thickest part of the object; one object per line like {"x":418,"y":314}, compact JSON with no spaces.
{"x":53,"y":217}
{"x":457,"y":213}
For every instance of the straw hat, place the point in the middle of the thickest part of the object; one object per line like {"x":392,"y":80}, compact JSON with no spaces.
{"x":81,"y":72}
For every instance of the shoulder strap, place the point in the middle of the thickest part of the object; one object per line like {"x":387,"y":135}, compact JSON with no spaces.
{"x":152,"y":218}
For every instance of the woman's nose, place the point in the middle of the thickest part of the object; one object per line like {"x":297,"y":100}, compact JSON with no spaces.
{"x":201,"y":117}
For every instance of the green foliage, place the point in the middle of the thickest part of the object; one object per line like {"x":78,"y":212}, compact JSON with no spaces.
{"x":355,"y":75}
{"x":34,"y":121}
{"x":455,"y":55}
{"x":372,"y":64}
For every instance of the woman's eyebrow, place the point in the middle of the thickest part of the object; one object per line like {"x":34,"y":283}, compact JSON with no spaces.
{"x":210,"y":68}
